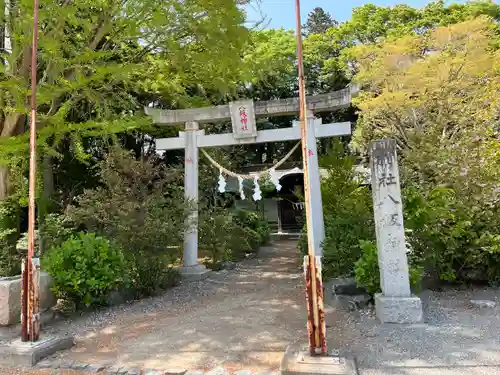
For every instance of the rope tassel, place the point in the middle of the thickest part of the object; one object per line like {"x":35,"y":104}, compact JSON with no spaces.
{"x":222,"y":183}
{"x":240,"y":186}
{"x":274,"y":179}
{"x":257,"y":195}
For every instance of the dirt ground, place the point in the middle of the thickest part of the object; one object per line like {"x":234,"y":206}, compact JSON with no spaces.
{"x":246,"y":317}
{"x":240,"y":319}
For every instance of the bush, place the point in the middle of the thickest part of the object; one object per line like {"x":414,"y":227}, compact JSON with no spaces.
{"x":253,"y":221}
{"x":55,"y":230}
{"x":141,"y":205}
{"x":10,"y":257}
{"x":453,"y":239}
{"x":228,"y":235}
{"x":348,"y":215}
{"x":216,"y":230}
{"x":151,"y":274}
{"x":85,"y":269}
{"x":367,"y":272}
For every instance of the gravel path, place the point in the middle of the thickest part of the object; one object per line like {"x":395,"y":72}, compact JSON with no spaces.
{"x":245,"y":318}
{"x":240,"y":319}
{"x":455,"y":338}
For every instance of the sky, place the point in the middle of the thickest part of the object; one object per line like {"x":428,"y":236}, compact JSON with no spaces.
{"x":281,"y":13}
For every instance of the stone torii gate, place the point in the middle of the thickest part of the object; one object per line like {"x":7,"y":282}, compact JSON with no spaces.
{"x":243,"y":116}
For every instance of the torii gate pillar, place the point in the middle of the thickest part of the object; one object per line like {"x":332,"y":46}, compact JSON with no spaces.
{"x":191,"y":269}
{"x":314,"y":183}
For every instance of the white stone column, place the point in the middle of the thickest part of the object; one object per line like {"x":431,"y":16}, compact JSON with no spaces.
{"x":191,"y":267}
{"x":314,"y":183}
{"x":395,"y":304}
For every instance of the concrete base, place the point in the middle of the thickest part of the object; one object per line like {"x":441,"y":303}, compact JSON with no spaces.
{"x":19,"y":353}
{"x":198,"y":272}
{"x":298,"y":361}
{"x":10,"y":297}
{"x":398,"y":309}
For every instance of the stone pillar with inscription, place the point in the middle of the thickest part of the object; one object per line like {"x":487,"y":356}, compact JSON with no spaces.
{"x":395,"y":304}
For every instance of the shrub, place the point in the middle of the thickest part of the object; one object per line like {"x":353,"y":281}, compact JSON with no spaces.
{"x":264,"y":231}
{"x":367,"y":272}
{"x":348,"y":215}
{"x":86,"y":268}
{"x":452,"y":238}
{"x":253,"y":221}
{"x":141,"y":205}
{"x":228,"y":235}
{"x":151,"y":274}
{"x":55,"y":230}
{"x":10,"y":257}
{"x":216,"y":231}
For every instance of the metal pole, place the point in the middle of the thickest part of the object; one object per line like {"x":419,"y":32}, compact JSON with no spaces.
{"x":314,"y":291}
{"x":31,"y":324}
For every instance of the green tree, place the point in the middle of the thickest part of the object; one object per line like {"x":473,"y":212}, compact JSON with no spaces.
{"x":318,"y":21}
{"x":437,"y":95}
{"x":93,"y":55}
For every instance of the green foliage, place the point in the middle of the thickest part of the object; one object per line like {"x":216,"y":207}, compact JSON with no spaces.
{"x":151,"y":274}
{"x":348,"y":214}
{"x":229,"y":235}
{"x":366,"y":267}
{"x":441,"y":108}
{"x":55,"y":230}
{"x":85,"y":269}
{"x":455,"y":241}
{"x":93,"y":56}
{"x":10,"y":257}
{"x":406,"y":89}
{"x":140,"y":205}
{"x":217,"y":228}
{"x":254,"y":222}
{"x":367,"y":272}
{"x":318,"y":22}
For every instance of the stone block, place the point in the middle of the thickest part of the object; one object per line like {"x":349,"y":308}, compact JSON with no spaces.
{"x":18,"y":353}
{"x":483,"y":303}
{"x":10,"y":298}
{"x":297,"y":361}
{"x":194,"y":273}
{"x":398,"y":309}
{"x":346,"y":286}
{"x":351,"y":303}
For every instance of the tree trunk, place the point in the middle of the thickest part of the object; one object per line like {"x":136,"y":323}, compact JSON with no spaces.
{"x":4,"y":182}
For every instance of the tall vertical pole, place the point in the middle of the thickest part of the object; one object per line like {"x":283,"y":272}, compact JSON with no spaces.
{"x":312,"y":264}
{"x":30,"y":329}
{"x":191,"y":193}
